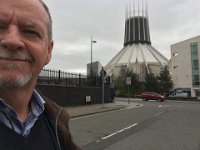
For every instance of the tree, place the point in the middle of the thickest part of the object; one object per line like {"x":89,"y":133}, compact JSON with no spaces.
{"x":151,"y":83}
{"x":136,"y":84}
{"x":165,"y":80}
{"x":119,"y":81}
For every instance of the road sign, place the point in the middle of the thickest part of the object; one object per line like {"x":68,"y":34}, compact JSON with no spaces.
{"x":128,"y":80}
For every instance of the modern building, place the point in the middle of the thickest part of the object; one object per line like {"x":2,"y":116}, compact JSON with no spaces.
{"x":184,"y":66}
{"x":138,"y":55}
{"x":94,"y":69}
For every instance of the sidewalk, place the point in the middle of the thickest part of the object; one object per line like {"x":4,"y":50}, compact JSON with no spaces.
{"x":78,"y":111}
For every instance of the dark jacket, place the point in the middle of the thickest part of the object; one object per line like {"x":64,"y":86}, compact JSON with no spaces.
{"x":59,"y":119}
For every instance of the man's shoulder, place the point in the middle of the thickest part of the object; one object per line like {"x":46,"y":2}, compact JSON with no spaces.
{"x":53,"y":110}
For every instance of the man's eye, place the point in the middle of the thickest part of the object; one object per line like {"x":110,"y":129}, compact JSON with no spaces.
{"x":32,"y":33}
{"x":2,"y":27}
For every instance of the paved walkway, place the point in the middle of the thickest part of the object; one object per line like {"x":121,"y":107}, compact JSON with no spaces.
{"x":78,"y":111}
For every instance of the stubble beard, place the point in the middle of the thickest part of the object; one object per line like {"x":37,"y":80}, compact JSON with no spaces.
{"x":14,"y":81}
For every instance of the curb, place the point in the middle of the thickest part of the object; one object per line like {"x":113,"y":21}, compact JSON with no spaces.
{"x":97,"y":112}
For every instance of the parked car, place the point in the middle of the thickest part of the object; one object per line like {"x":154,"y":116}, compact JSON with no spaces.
{"x":152,"y":96}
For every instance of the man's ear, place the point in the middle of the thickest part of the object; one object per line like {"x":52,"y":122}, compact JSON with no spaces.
{"x":49,"y":52}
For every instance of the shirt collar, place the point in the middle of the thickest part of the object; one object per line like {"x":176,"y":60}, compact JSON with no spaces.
{"x":37,"y":104}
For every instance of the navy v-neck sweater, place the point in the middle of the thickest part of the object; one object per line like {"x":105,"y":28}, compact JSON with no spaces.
{"x":41,"y":137}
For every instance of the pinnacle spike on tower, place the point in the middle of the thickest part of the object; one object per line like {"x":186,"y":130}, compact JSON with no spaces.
{"x":146,"y":9}
{"x":129,"y":9}
{"x":138,"y":9}
{"x":143,"y":8}
{"x":133,"y":8}
{"x":126,"y":13}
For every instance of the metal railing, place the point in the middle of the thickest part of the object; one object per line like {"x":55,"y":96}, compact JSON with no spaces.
{"x":58,"y":77}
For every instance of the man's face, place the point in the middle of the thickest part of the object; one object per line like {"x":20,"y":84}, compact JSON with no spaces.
{"x":24,"y":44}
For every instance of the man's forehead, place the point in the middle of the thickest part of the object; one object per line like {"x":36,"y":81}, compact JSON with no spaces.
{"x":23,"y":8}
{"x":34,"y":5}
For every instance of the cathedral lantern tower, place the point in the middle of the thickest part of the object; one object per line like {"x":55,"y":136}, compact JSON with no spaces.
{"x":137,"y":55}
{"x":136,"y":27}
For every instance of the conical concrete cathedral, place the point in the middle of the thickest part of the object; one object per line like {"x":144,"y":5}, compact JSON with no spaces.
{"x":138,"y":55}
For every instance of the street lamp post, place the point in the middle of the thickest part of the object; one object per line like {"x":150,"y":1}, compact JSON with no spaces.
{"x":91,"y":70}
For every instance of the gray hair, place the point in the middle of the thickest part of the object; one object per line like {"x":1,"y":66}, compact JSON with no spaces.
{"x":50,"y":34}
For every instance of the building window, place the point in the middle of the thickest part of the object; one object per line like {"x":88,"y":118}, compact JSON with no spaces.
{"x":195,"y":65}
{"x":195,"y":80}
{"x":198,"y":93}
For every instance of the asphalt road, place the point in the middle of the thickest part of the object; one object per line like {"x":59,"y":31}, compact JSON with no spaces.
{"x":155,"y":126}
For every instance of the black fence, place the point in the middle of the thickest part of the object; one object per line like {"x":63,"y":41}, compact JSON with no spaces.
{"x":58,"y":77}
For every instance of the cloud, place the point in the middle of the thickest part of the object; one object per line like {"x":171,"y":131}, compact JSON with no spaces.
{"x":75,"y":21}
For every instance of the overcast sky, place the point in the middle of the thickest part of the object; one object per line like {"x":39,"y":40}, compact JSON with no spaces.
{"x":74,"y":21}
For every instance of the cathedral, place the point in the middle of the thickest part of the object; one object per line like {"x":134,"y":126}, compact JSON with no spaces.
{"x":137,"y":55}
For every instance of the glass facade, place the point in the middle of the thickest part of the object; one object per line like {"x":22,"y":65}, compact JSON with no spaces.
{"x":197,"y":93}
{"x":195,"y":64}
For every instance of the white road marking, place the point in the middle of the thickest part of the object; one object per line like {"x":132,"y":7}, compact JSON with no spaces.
{"x":160,"y":106}
{"x":106,"y":137}
{"x":159,"y":114}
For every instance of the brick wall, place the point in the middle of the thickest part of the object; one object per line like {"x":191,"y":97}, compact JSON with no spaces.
{"x":75,"y":96}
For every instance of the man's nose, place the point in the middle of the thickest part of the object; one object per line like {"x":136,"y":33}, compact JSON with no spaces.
{"x":12,"y":39}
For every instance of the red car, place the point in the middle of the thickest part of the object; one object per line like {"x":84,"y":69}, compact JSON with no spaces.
{"x":152,"y":96}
